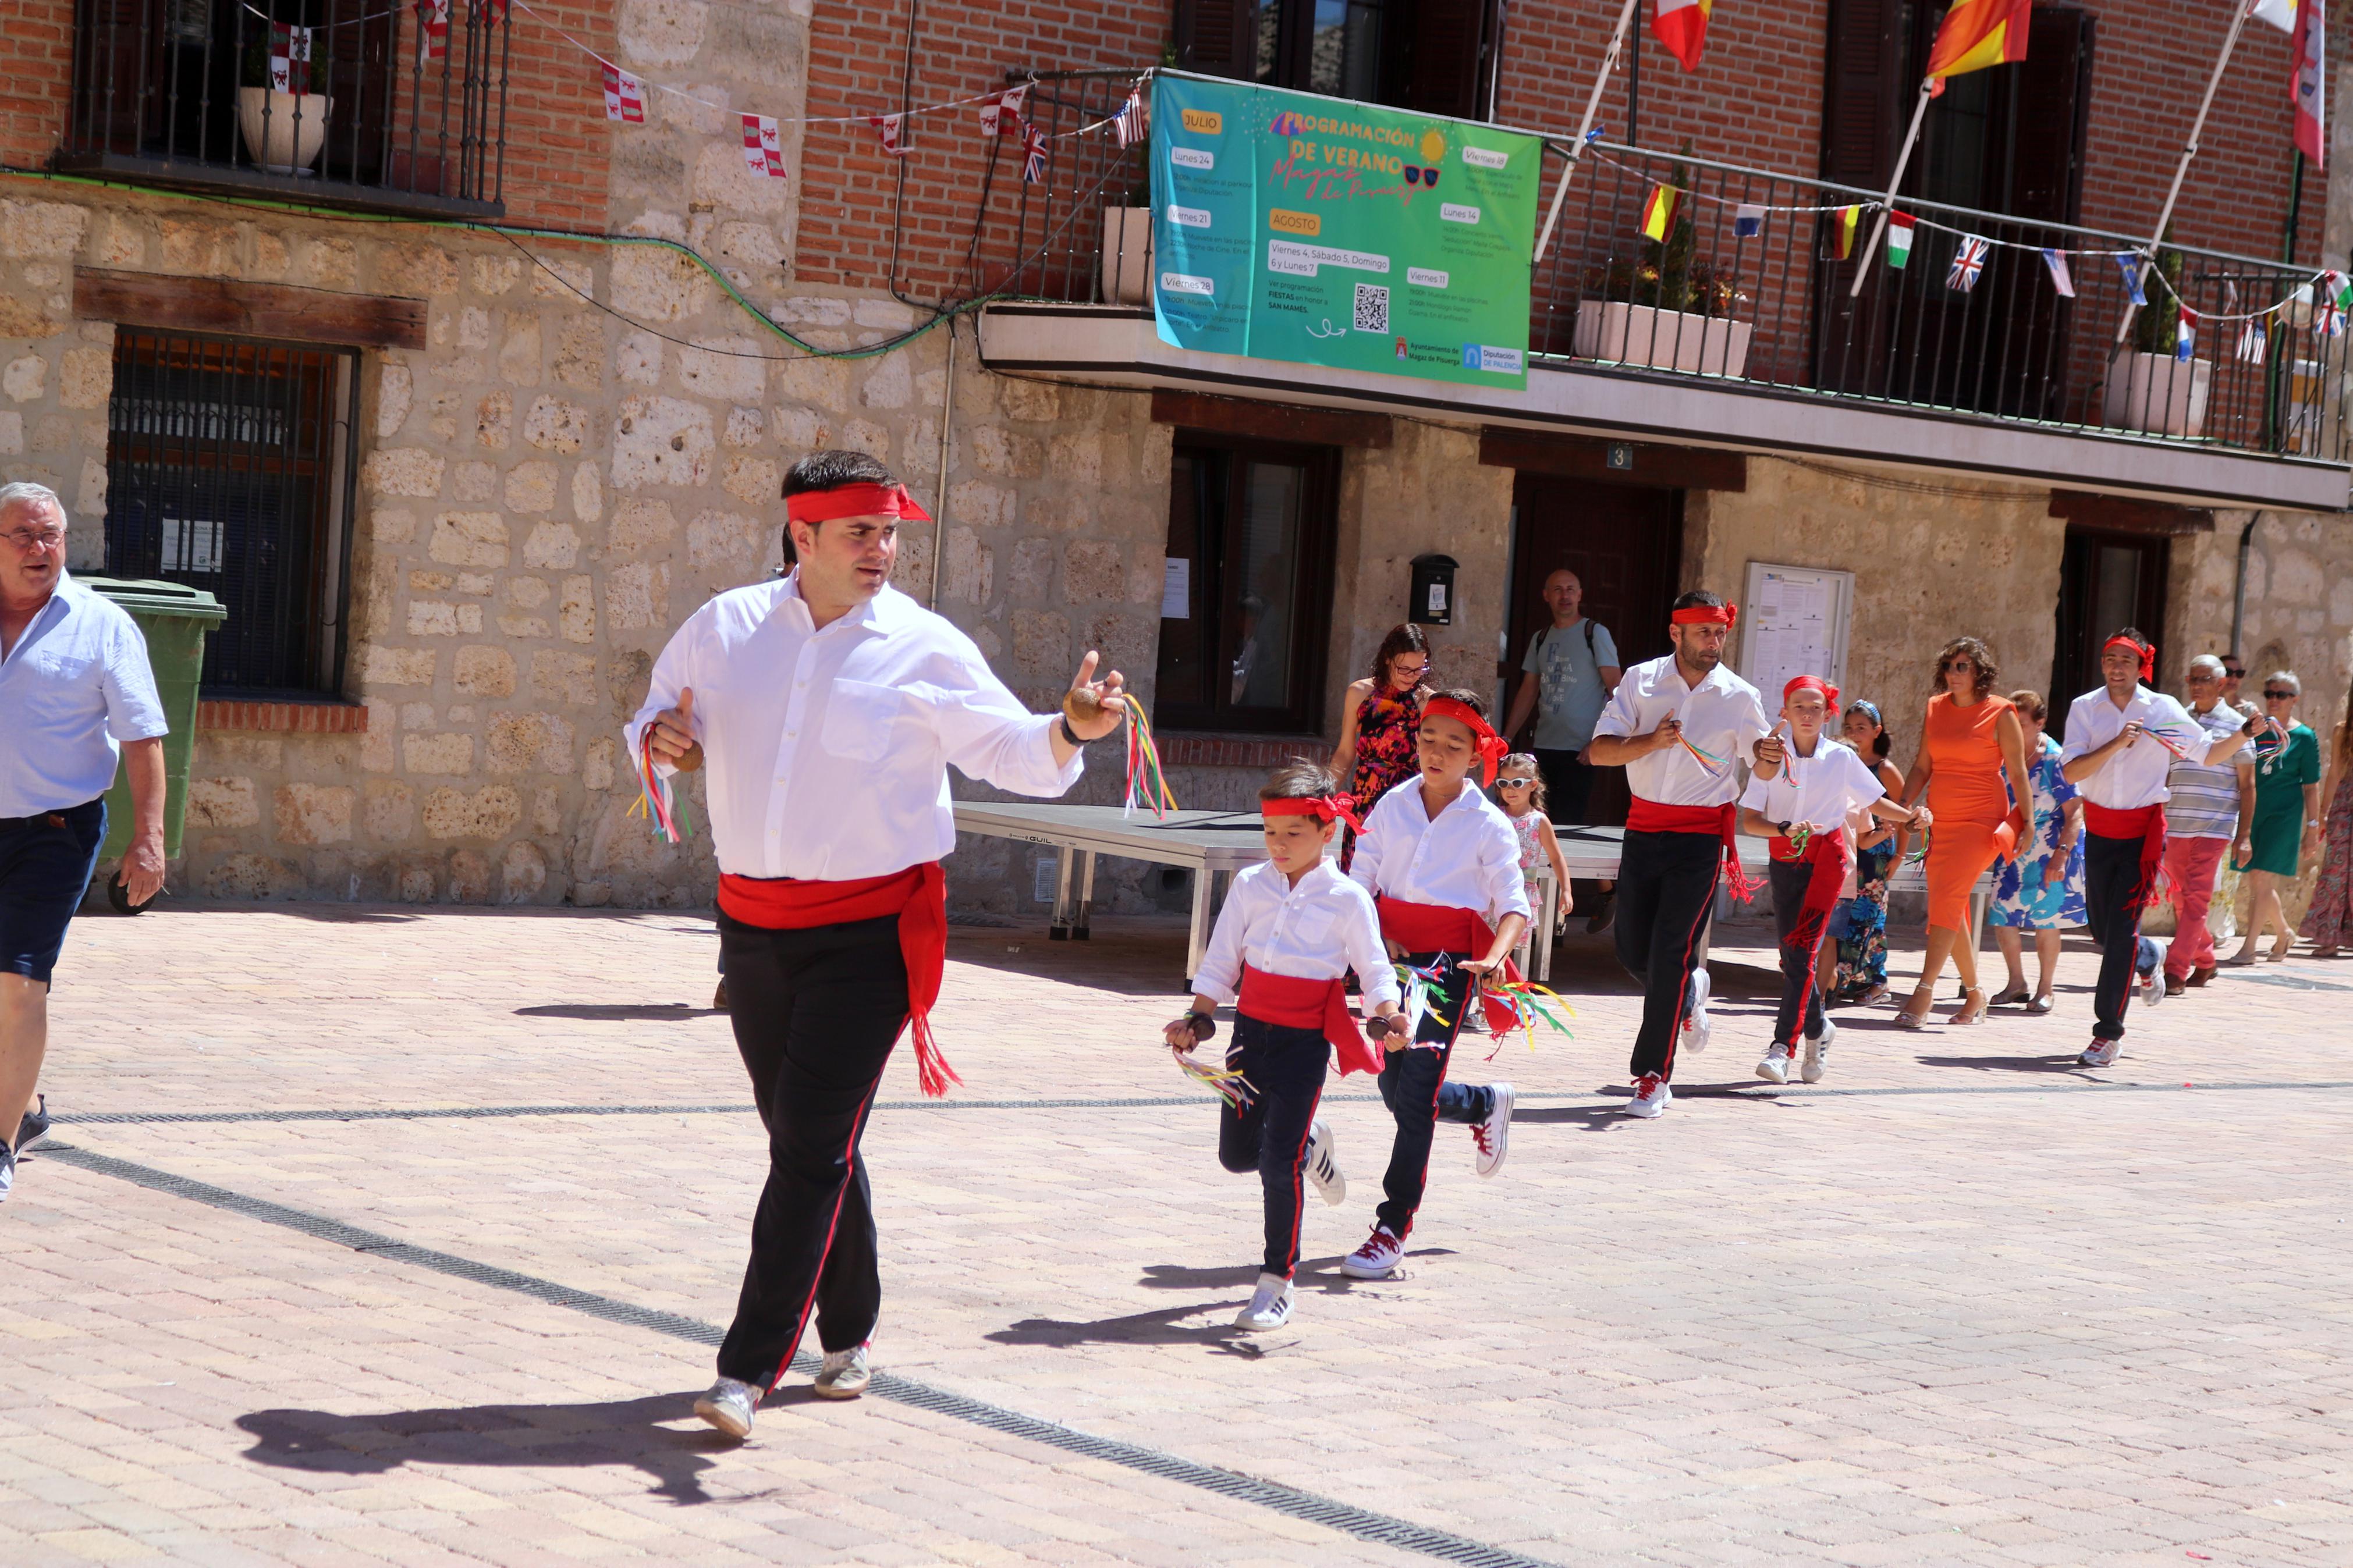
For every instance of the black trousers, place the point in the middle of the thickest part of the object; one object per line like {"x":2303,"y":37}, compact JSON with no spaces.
{"x":816,"y":1013}
{"x":1666,"y":890}
{"x":1413,"y":1086}
{"x":2111,"y":876}
{"x":1568,"y":785}
{"x":1791,"y":880}
{"x":1285,"y":1067}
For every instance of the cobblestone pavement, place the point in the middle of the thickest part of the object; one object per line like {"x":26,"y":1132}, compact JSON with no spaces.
{"x":1963,"y":1302}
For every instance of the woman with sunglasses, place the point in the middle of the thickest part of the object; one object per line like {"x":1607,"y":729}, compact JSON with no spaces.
{"x":2287,"y":814}
{"x":1972,"y":743}
{"x":2331,"y":913}
{"x":1383,"y":712}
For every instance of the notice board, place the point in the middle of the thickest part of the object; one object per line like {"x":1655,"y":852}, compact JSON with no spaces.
{"x":1794,"y":620}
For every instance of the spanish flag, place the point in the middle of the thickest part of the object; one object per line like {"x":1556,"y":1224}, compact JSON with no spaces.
{"x":1682,"y":25}
{"x":1659,"y":213}
{"x":1976,"y":34}
{"x":1842,"y":225}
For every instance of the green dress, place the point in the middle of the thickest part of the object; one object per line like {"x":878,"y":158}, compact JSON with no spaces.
{"x":2281,"y":773}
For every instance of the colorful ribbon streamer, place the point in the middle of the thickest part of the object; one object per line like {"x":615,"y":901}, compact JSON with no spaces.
{"x":1226,"y":1083}
{"x":1707,"y":759}
{"x":1146,"y":782}
{"x":1414,"y":987}
{"x":658,"y":801}
{"x":1529,"y":1003}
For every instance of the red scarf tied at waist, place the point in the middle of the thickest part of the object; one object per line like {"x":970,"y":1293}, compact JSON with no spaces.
{"x":2146,"y":822}
{"x":1297,"y":1002}
{"x":1828,"y":852}
{"x":1724,"y":821}
{"x":918,"y":896}
{"x":1442,"y":928}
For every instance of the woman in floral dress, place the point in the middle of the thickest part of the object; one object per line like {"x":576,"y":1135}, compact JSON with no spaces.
{"x":1375,"y":752}
{"x":2042,"y":889}
{"x":2326,"y":922}
{"x":1859,"y":924}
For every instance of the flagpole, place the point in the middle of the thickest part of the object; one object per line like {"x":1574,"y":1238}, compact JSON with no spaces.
{"x":1878,"y":227}
{"x":1585,"y":126}
{"x":2181,"y":168}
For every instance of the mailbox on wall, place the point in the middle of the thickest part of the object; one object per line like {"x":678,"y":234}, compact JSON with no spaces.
{"x":1431,"y":602}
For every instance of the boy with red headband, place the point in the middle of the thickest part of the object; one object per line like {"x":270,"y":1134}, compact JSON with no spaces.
{"x":1291,"y":929}
{"x":1803,"y":809}
{"x":2122,"y":742}
{"x":1445,"y":864}
{"x":826,"y":707}
{"x":1677,"y":725}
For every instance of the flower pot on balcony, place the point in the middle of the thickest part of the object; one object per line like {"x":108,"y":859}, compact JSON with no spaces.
{"x":283,"y":130}
{"x":1617,"y":333}
{"x":1126,"y":256}
{"x":2156,"y":393}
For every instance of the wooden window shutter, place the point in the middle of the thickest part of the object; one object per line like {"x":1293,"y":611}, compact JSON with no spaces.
{"x":1439,"y":53}
{"x":1217,"y":38}
{"x":2054,"y":108}
{"x":1864,"y":98}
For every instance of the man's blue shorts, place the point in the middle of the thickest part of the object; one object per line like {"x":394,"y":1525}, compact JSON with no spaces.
{"x":46,"y":863}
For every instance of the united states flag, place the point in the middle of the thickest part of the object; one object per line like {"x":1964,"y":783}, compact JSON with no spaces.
{"x":1968,"y":262}
{"x":1129,"y":124}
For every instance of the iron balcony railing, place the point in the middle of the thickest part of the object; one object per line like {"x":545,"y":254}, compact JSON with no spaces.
{"x":385,"y":105}
{"x":1761,"y":299}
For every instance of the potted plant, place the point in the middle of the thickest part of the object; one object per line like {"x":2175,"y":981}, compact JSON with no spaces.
{"x":284,"y":131}
{"x":2149,"y":386}
{"x":1127,"y":248}
{"x":1665,"y":307}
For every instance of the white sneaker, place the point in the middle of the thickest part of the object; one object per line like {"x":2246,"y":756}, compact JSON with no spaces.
{"x":1775,"y":1067}
{"x":1652,"y":1095}
{"x":2152,"y":985}
{"x":729,"y":1406}
{"x":2103,"y":1053}
{"x":1493,"y":1135}
{"x":1818,"y":1050}
{"x":1323,"y":1168}
{"x":1377,"y":1259}
{"x":1269,"y":1307}
{"x":845,"y":1374}
{"x":1696,"y":1026}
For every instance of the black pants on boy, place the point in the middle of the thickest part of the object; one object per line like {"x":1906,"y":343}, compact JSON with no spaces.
{"x":1285,"y":1067}
{"x":1791,"y":880}
{"x":1666,"y":890}
{"x":2111,"y":877}
{"x":1414,"y":1087}
{"x":816,"y":1013}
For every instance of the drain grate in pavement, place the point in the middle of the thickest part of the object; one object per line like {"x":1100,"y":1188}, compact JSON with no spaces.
{"x":1345,"y":1518}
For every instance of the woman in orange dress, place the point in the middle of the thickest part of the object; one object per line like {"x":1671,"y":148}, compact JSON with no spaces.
{"x":1968,"y":740}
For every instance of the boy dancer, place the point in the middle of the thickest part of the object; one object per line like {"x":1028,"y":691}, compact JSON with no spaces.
{"x":2122,"y":779}
{"x":1676,"y":725}
{"x":1445,"y":863}
{"x":1804,"y":810}
{"x":1291,"y":929}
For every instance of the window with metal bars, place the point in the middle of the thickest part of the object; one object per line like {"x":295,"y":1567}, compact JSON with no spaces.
{"x":229,"y":466}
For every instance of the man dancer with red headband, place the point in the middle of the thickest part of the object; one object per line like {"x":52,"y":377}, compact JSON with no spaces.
{"x":1445,"y":864}
{"x":826,"y":706}
{"x":2122,"y":741}
{"x":1677,"y":725}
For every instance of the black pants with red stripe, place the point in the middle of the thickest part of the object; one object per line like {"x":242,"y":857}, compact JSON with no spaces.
{"x":1413,"y":1086}
{"x":1666,"y":890}
{"x":2111,"y":877}
{"x":1285,"y":1067}
{"x":816,"y":1013}
{"x":1791,"y":879}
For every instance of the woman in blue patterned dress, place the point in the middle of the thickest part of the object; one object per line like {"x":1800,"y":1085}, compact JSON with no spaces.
{"x":1859,"y":923}
{"x":2042,"y":889}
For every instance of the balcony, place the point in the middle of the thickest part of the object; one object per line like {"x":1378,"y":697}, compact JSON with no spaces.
{"x":375,"y":105}
{"x":1749,"y":336}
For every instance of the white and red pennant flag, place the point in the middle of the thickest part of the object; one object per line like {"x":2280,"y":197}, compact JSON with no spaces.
{"x":764,"y":148}
{"x":890,"y":128}
{"x":2254,"y":344}
{"x":1033,"y":154}
{"x":625,"y":96}
{"x":432,"y":29}
{"x":290,"y":58}
{"x":1130,"y":124}
{"x":1002,"y":115}
{"x":2185,"y":335}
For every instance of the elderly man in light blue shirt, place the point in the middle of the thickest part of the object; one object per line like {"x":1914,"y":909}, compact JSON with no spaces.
{"x":76,"y":693}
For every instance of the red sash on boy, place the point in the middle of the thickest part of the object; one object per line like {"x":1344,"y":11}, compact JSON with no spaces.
{"x":918,"y":896}
{"x":1442,"y":928}
{"x":1298,"y":1003}
{"x":1826,"y":851}
{"x":2146,"y":822}
{"x":1724,"y":821}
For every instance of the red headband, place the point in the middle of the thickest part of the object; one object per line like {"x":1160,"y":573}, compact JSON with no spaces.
{"x":1322,"y":807}
{"x":2147,"y":655}
{"x":1493,"y":748}
{"x":1811,"y":683}
{"x":1706,"y":615}
{"x":853,"y":500}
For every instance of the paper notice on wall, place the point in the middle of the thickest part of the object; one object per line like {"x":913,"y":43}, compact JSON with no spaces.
{"x":1796,"y":622}
{"x":1177,"y":589}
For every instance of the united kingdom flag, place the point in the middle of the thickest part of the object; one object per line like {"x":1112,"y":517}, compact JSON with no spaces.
{"x":1033,"y":154}
{"x":1969,"y":263}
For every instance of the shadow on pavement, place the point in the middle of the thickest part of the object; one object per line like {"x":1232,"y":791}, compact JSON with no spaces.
{"x":2066,"y":1064}
{"x":619,"y":1432}
{"x":1324,"y":1273}
{"x":620,"y":1012}
{"x":1165,"y":1326}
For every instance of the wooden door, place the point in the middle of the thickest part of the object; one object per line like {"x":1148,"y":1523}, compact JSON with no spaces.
{"x":2106,"y":582}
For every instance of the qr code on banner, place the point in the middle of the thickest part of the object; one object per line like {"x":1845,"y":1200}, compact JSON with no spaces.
{"x":1372,"y":308}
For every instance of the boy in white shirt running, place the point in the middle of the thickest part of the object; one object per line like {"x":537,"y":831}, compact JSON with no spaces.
{"x":1291,"y":929}
{"x":1803,"y":809}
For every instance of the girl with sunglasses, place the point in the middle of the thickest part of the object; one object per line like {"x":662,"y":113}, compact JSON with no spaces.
{"x":1520,"y":791}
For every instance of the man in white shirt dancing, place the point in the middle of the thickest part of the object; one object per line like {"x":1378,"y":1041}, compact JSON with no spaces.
{"x":826,"y":706}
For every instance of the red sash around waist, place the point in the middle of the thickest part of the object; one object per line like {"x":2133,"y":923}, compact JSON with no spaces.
{"x":1831,"y":859}
{"x":2146,"y":822}
{"x":1297,"y":1002}
{"x":1441,"y":928}
{"x":1724,"y":821}
{"x":918,"y":896}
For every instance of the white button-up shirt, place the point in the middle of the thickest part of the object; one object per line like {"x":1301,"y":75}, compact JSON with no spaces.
{"x":1723,"y":716}
{"x":1820,"y":790}
{"x":76,"y":686}
{"x":2135,"y":776}
{"x":1317,"y":929}
{"x":1467,"y":858}
{"x":826,"y":752}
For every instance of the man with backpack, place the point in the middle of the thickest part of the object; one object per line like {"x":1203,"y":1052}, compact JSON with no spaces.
{"x":1570,"y":673}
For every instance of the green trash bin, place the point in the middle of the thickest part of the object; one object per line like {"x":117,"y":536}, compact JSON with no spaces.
{"x":175,"y":620}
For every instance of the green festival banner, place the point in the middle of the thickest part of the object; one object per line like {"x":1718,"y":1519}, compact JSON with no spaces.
{"x":1290,"y":227}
